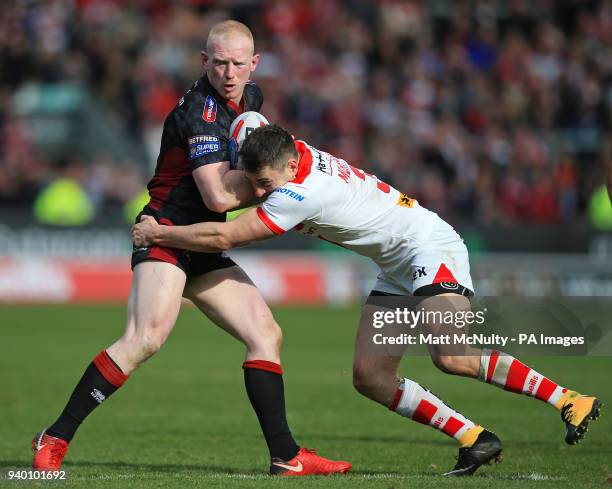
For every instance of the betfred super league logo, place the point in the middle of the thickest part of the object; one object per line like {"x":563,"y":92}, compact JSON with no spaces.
{"x":210,"y":109}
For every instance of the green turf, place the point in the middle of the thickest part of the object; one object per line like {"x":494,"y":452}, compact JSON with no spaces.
{"x":184,"y":420}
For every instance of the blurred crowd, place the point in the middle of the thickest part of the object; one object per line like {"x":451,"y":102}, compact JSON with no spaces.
{"x":486,"y":111}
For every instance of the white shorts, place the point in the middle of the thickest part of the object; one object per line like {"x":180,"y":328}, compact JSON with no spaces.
{"x":441,"y":265}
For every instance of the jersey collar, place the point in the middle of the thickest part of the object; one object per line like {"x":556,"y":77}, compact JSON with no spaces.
{"x":304,"y":162}
{"x":239,"y":109}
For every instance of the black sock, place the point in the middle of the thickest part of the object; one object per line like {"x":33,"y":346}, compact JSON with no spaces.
{"x":264,"y":385}
{"x":101,"y":378}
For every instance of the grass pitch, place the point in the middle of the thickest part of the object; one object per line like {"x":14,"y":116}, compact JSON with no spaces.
{"x":183,"y":420}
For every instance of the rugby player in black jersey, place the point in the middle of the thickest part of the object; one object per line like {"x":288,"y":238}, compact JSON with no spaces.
{"x":194,"y":182}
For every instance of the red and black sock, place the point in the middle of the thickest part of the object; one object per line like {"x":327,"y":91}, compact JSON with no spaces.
{"x":266,"y":391}
{"x":101,"y":378}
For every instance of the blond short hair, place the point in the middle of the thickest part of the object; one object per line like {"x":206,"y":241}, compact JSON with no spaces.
{"x":228,"y":27}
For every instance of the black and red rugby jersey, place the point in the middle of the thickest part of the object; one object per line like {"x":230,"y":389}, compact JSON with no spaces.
{"x":195,"y":133}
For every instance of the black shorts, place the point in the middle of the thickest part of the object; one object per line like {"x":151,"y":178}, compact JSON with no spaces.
{"x":193,"y":263}
{"x":430,"y":291}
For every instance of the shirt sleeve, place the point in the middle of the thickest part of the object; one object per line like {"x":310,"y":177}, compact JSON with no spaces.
{"x":205,"y":142}
{"x":287,"y":207}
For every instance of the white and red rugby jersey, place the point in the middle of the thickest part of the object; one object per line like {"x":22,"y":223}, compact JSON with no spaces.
{"x":334,"y":201}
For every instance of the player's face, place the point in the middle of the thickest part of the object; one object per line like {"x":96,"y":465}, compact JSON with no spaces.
{"x":269,"y":179}
{"x":228,"y":64}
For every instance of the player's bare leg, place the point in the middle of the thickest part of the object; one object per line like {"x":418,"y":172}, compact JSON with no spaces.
{"x":153,"y":307}
{"x":375,"y":376}
{"x":461,"y":360}
{"x":229,"y":298}
{"x":507,"y":372}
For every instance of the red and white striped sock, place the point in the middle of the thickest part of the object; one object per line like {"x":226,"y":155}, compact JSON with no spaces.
{"x":420,"y":405}
{"x":507,"y":372}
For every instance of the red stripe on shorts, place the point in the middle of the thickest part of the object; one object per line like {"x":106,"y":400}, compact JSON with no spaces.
{"x":168,"y":255}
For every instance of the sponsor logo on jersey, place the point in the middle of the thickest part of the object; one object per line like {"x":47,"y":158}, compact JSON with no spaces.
{"x":210,"y":109}
{"x":203,"y":145}
{"x":405,"y":201}
{"x":290,"y":193}
{"x":418,"y":273}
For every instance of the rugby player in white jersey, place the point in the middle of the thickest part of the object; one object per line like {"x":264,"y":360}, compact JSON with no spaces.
{"x":418,"y":254}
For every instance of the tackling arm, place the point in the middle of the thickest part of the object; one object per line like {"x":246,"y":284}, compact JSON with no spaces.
{"x":204,"y":236}
{"x":223,"y":189}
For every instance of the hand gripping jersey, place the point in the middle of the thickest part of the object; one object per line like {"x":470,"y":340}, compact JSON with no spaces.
{"x":337,"y":202}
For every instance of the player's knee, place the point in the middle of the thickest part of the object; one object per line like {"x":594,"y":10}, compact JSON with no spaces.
{"x":276,"y":335}
{"x":144,"y":343}
{"x":150,"y":344}
{"x":273,"y":338}
{"x":142,"y":346}
{"x":365,"y":380}
{"x":267,"y":334}
{"x":449,"y":364}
